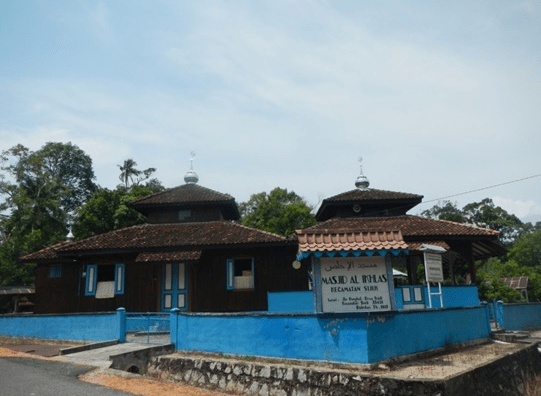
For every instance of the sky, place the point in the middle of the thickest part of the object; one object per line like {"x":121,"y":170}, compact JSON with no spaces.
{"x":439,"y":98}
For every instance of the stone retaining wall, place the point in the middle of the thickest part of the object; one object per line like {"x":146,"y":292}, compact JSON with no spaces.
{"x":502,"y":377}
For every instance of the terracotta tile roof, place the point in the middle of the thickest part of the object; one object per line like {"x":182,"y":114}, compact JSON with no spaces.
{"x":370,"y":202}
{"x":348,"y":240}
{"x":48,"y":253}
{"x":155,"y":236}
{"x":371,"y":194}
{"x":189,"y":195}
{"x":408,"y":225}
{"x":192,"y":193}
{"x":175,"y":255}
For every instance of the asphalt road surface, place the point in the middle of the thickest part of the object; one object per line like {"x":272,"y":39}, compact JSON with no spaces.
{"x":32,"y":377}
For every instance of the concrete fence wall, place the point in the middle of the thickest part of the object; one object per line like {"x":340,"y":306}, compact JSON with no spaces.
{"x":523,"y":316}
{"x":355,"y":338}
{"x":76,"y":327}
{"x":303,"y":301}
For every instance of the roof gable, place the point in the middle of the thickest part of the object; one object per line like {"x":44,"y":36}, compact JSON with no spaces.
{"x":367,"y":202}
{"x":188,"y":196}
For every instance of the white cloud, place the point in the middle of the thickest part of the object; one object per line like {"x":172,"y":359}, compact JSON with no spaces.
{"x":518,"y":207}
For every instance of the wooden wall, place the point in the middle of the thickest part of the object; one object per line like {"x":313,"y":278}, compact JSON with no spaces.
{"x":273,"y":271}
{"x":67,"y":293}
{"x":207,"y":292}
{"x":196,"y":215}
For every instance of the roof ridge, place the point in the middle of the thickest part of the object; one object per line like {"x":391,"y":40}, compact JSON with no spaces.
{"x":496,"y":232}
{"x":258,"y":229}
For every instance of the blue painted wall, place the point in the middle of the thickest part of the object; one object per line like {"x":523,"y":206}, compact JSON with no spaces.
{"x":297,"y":302}
{"x":409,"y":332}
{"x":76,"y":327}
{"x":453,"y":296}
{"x":357,"y":338}
{"x":521,"y":316}
{"x":303,"y":301}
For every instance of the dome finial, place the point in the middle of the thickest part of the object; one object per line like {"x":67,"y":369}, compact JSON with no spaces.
{"x":191,"y":177}
{"x":361,"y":182}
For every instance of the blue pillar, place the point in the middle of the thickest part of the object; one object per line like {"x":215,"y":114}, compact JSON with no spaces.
{"x":499,"y":314}
{"x":173,"y":323}
{"x":121,"y":315}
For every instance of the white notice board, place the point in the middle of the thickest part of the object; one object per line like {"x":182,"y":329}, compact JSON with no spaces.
{"x":357,"y":284}
{"x":433,"y":267}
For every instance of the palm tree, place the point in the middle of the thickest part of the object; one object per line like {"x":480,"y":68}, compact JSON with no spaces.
{"x":128,"y":171}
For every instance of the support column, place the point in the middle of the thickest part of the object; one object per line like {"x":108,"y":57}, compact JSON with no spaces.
{"x":121,"y":315}
{"x":173,"y":326}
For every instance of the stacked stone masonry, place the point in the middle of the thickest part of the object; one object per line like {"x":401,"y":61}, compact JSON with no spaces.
{"x":504,"y":377}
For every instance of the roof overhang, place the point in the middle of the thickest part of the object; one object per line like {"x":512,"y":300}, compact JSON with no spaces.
{"x":338,"y":243}
{"x":174,"y":255}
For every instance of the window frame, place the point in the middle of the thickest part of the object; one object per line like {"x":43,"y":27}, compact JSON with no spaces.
{"x":230,"y":274}
{"x":91,"y":280}
{"x":55,"y":271}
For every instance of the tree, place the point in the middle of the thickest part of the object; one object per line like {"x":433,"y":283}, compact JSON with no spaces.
{"x":481,"y":214}
{"x":108,"y":210}
{"x":445,"y":210}
{"x":40,"y":190}
{"x":486,"y":214}
{"x":128,"y":173}
{"x":496,"y":269}
{"x":527,"y":250}
{"x":280,"y":211}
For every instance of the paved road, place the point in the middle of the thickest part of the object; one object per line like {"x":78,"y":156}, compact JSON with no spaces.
{"x":32,"y":377}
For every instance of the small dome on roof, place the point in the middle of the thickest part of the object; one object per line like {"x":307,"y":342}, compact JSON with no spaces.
{"x":191,"y":177}
{"x":362,"y":181}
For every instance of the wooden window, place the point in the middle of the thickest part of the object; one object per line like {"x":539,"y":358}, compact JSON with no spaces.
{"x":104,"y":277}
{"x":55,"y":271}
{"x":240,"y":274}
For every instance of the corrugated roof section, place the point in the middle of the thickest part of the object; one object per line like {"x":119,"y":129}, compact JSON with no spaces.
{"x":348,"y":241}
{"x":16,"y":290}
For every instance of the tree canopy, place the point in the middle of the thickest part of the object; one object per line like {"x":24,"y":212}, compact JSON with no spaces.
{"x":108,"y":210}
{"x":40,"y":191}
{"x":280,"y":211}
{"x":481,"y":214}
{"x":129,"y":175}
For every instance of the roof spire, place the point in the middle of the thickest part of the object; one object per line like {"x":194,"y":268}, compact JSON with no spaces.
{"x":191,"y":177}
{"x":362,"y":181}
{"x":70,"y":236}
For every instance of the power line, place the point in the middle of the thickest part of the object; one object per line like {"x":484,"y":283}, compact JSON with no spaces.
{"x":483,"y":188}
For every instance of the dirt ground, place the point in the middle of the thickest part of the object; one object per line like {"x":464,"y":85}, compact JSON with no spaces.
{"x":131,"y":383}
{"x":438,"y":366}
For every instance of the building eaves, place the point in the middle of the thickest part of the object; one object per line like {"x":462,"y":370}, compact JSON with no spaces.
{"x":341,"y":240}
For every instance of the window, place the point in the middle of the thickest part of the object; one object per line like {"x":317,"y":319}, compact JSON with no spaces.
{"x":104,"y":281}
{"x":240,"y":274}
{"x":55,"y":271}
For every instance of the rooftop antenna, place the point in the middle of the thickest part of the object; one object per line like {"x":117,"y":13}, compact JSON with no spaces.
{"x":361,"y":182}
{"x":191,"y":177}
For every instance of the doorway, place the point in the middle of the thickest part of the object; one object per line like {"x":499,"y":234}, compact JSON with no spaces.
{"x":174,"y":287}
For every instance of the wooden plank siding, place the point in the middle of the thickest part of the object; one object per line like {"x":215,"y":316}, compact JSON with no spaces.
{"x":273,"y":271}
{"x":67,"y":294}
{"x":207,"y":291}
